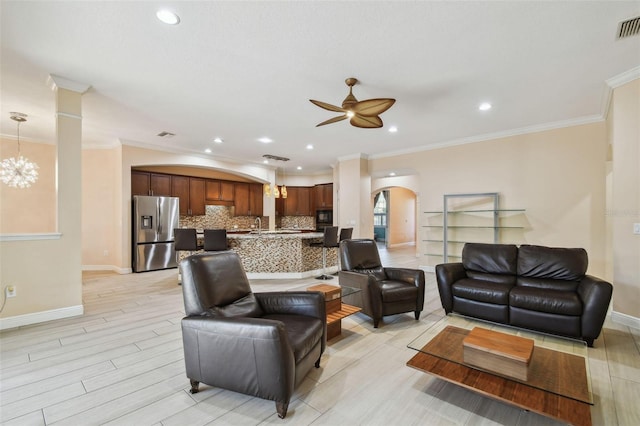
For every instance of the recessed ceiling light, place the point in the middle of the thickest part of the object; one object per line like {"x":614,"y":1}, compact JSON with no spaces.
{"x":208,"y":151}
{"x":265,"y":161}
{"x":299,"y":167}
{"x":392,"y":174}
{"x":218,"y":140}
{"x":309,"y":146}
{"x":485,"y":106}
{"x":393,"y":129}
{"x":265,"y":140}
{"x":168,"y":17}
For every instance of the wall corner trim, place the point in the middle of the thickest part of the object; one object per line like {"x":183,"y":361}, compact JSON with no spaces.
{"x":38,"y":317}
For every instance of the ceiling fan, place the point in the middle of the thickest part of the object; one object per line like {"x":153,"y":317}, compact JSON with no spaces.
{"x":361,"y":113}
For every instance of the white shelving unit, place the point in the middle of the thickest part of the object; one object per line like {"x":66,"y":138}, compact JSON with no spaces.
{"x":466,"y":218}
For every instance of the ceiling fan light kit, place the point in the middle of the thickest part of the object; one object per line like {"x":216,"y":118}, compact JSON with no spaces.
{"x":363,"y":114}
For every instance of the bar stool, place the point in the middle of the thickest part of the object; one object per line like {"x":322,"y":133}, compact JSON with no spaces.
{"x":185,"y":239}
{"x":330,"y":240}
{"x":345,"y":234}
{"x":215,"y":240}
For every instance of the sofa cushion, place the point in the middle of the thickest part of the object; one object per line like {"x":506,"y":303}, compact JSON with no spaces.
{"x":552,"y":262}
{"x":482,"y":291}
{"x":545,"y":300}
{"x":396,"y":291}
{"x":303,"y":332}
{"x":490,"y":258}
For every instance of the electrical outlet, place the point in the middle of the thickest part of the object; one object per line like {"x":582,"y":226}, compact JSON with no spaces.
{"x":106,"y":253}
{"x":636,"y":228}
{"x":10,"y":291}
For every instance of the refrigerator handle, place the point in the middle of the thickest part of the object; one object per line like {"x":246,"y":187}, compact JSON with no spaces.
{"x":159,"y":228}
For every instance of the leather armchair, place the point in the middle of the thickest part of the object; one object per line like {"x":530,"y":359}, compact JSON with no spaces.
{"x":385,"y":290}
{"x":260,"y":344}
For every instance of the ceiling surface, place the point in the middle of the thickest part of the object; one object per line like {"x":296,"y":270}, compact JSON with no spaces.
{"x":246,"y":70}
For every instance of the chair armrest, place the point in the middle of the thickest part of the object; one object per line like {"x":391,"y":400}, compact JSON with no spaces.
{"x":446,"y":275}
{"x":412,"y":277}
{"x":371,"y":293}
{"x":595,"y":294}
{"x":309,"y":303}
{"x":217,"y":349}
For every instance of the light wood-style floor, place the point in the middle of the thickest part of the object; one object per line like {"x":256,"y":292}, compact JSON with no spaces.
{"x":122,"y":363}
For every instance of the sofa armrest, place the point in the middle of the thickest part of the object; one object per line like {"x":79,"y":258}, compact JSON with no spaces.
{"x":595,"y":294}
{"x":410,"y":276}
{"x":309,"y":303}
{"x":446,"y":275}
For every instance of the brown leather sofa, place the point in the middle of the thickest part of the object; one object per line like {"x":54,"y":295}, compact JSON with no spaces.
{"x":384,"y":291}
{"x":260,"y":344}
{"x":534,"y":287}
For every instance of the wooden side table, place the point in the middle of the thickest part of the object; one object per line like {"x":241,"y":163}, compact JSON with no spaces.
{"x":335,"y":309}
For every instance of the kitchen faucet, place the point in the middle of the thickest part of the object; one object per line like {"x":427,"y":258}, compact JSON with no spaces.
{"x":259,"y":222}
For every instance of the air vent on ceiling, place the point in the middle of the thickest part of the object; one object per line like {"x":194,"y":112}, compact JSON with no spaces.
{"x":629,"y":28}
{"x":166,"y":134}
{"x":275,"y":157}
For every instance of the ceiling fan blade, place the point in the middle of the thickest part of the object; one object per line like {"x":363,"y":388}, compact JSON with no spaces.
{"x":332,"y":120}
{"x":327,"y":106}
{"x":366,"y":122}
{"x":372,"y":107}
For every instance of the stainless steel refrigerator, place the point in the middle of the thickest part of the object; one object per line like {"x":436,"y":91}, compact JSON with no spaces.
{"x":153,"y":222}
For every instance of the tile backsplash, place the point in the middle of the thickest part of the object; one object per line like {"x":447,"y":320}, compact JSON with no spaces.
{"x":218,"y":217}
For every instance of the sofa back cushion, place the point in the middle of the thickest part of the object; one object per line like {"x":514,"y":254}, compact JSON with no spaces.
{"x":494,"y":259}
{"x":551,"y":267}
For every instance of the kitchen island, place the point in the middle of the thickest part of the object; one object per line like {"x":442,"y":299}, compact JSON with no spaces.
{"x":281,"y":254}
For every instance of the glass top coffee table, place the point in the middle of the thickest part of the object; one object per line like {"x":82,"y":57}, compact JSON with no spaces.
{"x":558,"y":382}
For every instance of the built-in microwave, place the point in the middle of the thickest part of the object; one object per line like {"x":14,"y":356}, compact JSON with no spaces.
{"x":324,"y":217}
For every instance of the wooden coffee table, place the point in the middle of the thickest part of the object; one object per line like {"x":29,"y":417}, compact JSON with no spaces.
{"x":557,"y":385}
{"x":335,"y":309}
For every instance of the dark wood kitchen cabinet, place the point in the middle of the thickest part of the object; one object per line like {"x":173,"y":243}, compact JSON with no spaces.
{"x":248,"y":199}
{"x":298,"y":201}
{"x":219,"y":190}
{"x":191,"y":193}
{"x":322,"y":198}
{"x":145,"y":183}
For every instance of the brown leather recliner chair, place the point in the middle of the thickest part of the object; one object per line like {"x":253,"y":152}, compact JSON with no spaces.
{"x":260,"y":344}
{"x":385,"y":291}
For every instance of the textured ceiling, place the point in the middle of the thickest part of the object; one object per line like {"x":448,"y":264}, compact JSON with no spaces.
{"x":244,"y":70}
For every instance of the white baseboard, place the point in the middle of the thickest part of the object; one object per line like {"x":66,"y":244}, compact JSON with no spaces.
{"x":408,"y":243}
{"x":625,"y":319}
{"x":38,"y":317}
{"x":113,"y":268}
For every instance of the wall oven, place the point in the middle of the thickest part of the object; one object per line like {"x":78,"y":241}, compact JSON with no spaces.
{"x":323,"y":218}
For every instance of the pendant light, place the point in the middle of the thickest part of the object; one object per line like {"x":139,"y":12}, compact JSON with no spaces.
{"x":18,"y":172}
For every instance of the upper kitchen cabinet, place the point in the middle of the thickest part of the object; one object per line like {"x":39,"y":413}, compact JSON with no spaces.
{"x":322,"y":198}
{"x":191,"y":193}
{"x":248,"y":199}
{"x":298,"y":201}
{"x":219,"y":192}
{"x":145,"y":183}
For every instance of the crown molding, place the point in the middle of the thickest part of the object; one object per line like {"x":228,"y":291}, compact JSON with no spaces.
{"x":623,"y":78}
{"x":497,"y":135}
{"x":357,"y":156}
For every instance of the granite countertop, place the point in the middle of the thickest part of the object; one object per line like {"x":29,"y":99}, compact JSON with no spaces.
{"x":282,"y":233}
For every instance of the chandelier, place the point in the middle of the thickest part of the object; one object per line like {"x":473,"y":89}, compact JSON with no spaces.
{"x":277,"y":191}
{"x":18,"y":172}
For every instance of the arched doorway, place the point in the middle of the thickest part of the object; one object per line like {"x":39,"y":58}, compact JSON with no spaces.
{"x":394,"y":217}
